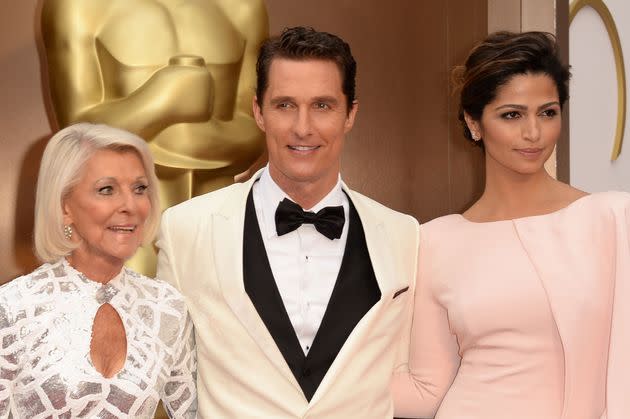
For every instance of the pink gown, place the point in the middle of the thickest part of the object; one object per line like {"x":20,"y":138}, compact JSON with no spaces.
{"x":525,"y":318}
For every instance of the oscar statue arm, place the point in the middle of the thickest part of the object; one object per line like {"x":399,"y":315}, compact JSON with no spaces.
{"x":178,"y":92}
{"x":253,"y":23}
{"x":237,"y":138}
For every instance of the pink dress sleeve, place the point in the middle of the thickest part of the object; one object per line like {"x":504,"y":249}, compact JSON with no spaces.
{"x":618,"y":375}
{"x":433,"y":360}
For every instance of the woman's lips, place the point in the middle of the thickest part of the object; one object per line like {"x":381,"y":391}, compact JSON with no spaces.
{"x":127,"y":229}
{"x":530,"y":153}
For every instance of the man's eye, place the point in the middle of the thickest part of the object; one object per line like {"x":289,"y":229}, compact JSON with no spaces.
{"x":321,"y":105}
{"x":284,"y":105}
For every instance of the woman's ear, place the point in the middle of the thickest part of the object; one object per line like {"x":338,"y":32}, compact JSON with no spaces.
{"x":67,"y":213}
{"x":473,"y":126}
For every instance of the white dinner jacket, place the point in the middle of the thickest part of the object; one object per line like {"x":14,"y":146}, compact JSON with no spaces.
{"x":241,"y":371}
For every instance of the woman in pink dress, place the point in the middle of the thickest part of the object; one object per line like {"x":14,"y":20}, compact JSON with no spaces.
{"x":522,"y":303}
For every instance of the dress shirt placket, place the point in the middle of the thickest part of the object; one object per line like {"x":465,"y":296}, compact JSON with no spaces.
{"x":307,"y":235}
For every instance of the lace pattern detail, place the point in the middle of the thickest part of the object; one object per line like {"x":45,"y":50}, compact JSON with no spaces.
{"x":46,"y":371}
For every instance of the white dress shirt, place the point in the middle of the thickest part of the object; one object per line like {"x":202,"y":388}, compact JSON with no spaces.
{"x":305,"y":264}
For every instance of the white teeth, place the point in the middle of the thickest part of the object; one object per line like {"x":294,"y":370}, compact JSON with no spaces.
{"x":302,"y":147}
{"x":125,"y":229}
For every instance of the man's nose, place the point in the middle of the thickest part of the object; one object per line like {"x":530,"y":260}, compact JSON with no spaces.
{"x":302,"y":126}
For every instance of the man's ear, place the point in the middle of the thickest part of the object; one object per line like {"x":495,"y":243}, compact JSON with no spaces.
{"x":258,"y":114}
{"x":352,"y":113}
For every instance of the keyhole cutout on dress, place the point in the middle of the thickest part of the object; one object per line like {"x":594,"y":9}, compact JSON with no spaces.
{"x":108,"y":348}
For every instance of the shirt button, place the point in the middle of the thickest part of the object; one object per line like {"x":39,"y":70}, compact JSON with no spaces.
{"x":306,"y":372}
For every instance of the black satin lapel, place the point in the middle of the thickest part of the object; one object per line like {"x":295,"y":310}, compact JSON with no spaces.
{"x":261,"y":288}
{"x":355,"y":292}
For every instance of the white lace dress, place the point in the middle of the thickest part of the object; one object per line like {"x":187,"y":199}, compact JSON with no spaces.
{"x":46,"y":371}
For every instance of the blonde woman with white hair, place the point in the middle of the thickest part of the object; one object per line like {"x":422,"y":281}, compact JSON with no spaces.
{"x":83,"y":336}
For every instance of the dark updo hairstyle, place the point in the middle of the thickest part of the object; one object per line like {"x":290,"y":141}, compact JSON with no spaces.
{"x":304,"y":43}
{"x":498,"y":58}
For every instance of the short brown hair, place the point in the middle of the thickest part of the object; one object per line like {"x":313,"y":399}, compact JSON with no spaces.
{"x":305,"y":43}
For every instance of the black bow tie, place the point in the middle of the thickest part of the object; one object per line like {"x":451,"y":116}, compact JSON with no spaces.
{"x":328,"y":221}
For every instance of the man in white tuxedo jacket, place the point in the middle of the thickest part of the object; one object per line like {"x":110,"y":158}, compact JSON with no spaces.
{"x":299,"y":288}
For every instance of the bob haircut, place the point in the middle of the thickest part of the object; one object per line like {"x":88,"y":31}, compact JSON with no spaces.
{"x":61,"y":169}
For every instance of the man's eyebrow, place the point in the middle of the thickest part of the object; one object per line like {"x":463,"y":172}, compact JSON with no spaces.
{"x":326,"y":99}
{"x":280,"y":99}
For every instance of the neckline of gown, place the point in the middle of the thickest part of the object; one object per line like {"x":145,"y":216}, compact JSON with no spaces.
{"x":527,"y":217}
{"x":116,"y":282}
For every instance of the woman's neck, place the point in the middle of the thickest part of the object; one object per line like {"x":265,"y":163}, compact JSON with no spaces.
{"x":98,"y":269}
{"x":509,"y":194}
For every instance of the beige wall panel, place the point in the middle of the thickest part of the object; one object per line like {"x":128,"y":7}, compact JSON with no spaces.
{"x":504,"y":15}
{"x":466,"y":160}
{"x":24,"y":130}
{"x":538,"y":15}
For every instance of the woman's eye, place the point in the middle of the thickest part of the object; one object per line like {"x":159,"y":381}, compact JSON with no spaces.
{"x":141,"y":189}
{"x":549,"y":112}
{"x":510,"y":115}
{"x":106,"y":190}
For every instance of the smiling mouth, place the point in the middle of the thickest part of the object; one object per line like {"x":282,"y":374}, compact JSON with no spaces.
{"x":303,"y":147}
{"x":123,"y":229}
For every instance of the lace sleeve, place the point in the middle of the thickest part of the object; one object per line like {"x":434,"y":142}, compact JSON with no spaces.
{"x":11,"y":349}
{"x":179,"y":394}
